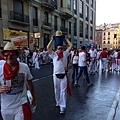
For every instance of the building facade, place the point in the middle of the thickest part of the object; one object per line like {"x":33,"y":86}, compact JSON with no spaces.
{"x":30,"y":23}
{"x":108,"y":36}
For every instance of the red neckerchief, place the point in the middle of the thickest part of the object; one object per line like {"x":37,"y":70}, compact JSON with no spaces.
{"x":82,"y":51}
{"x":8,"y":72}
{"x":60,"y":55}
{"x":1,"y":58}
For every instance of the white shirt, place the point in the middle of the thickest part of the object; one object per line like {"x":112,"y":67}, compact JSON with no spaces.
{"x":75,"y":59}
{"x":59,"y":64}
{"x":18,"y":85}
{"x":93,"y":53}
{"x":82,"y":59}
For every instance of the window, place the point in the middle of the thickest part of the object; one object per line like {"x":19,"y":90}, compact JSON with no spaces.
{"x":63,"y":23}
{"x":35,"y":20}
{"x":61,"y":3}
{"x":17,"y":9}
{"x":91,"y":16}
{"x":91,"y":32}
{"x":104,"y":33}
{"x":104,"y":42}
{"x":91,"y":3}
{"x":55,"y":22}
{"x":70,"y":27}
{"x":86,"y":31}
{"x":0,"y":9}
{"x":69,"y":4}
{"x":108,"y":33}
{"x":75,"y":6}
{"x":46,"y":16}
{"x":81,"y":29}
{"x":87,"y":1}
{"x":86,"y":12}
{"x":81,"y":8}
{"x":104,"y":38}
{"x":108,"y":42}
{"x":75,"y":27}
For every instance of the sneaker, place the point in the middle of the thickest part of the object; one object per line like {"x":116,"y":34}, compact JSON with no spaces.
{"x":89,"y":85}
{"x":76,"y":84}
{"x":57,"y":104}
{"x":62,"y":110}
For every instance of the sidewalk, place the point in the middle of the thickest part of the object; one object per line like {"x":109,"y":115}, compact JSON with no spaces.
{"x":117,"y":109}
{"x":114,"y":113}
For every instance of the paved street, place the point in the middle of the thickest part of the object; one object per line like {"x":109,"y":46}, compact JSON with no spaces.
{"x":95,"y":103}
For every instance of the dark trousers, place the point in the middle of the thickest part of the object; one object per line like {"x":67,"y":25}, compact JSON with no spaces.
{"x":75,"y":71}
{"x":85,"y":71}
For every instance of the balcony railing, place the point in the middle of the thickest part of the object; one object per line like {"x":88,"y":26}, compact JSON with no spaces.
{"x":35,"y":22}
{"x":46,"y":23}
{"x":19,"y":17}
{"x":49,"y":4}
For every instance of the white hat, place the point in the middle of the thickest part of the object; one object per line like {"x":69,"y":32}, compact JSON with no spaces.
{"x":10,"y":46}
{"x":58,"y":33}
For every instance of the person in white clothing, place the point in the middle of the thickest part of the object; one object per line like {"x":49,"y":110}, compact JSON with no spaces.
{"x":82,"y":63}
{"x":74,"y":61}
{"x":59,"y":58}
{"x":14,"y":79}
{"x":93,"y":55}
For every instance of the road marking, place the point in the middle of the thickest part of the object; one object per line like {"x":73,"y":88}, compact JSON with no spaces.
{"x":41,"y":78}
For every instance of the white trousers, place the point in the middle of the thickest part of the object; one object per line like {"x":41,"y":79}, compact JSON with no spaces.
{"x":92,"y":65}
{"x":12,"y":114}
{"x":60,"y":88}
{"x":104,"y":63}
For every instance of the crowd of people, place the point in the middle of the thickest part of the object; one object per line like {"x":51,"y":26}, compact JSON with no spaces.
{"x":15,"y":76}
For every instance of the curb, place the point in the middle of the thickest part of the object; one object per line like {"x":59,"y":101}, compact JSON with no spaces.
{"x":114,"y":106}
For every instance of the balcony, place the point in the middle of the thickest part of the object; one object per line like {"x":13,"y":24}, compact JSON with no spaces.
{"x":46,"y":25}
{"x":35,"y":22}
{"x":64,"y":30}
{"x":19,"y":18}
{"x":48,"y":5}
{"x":65,"y":13}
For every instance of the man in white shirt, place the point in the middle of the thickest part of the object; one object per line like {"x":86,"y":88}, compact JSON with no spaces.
{"x":59,"y":74}
{"x":93,"y":55}
{"x":82,"y":67}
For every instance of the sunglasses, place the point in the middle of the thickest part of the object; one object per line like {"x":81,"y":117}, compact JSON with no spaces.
{"x":11,"y":54}
{"x":60,"y":48}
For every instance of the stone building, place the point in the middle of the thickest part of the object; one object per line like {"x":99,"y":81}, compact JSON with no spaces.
{"x":30,"y":23}
{"x":108,"y":36}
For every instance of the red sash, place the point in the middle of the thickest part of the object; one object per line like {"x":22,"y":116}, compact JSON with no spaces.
{"x":8,"y":72}
{"x":68,"y":86}
{"x":27,"y":112}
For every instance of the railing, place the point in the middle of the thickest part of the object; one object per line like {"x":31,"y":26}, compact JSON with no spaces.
{"x":46,"y":23}
{"x":19,"y":17}
{"x":54,"y":4}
